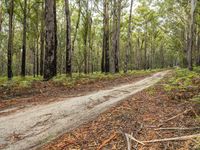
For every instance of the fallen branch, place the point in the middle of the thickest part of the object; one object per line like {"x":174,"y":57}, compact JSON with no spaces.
{"x":128,"y":142}
{"x":134,"y":139}
{"x":107,"y":141}
{"x":181,"y":138}
{"x":172,"y":118}
{"x":175,"y":128}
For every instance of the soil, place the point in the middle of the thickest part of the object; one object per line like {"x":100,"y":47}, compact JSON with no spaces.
{"x":31,"y":127}
{"x":46,"y":92}
{"x":138,"y":116}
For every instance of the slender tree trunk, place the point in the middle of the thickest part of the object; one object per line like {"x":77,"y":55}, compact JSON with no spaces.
{"x":0,"y":14}
{"x":77,"y":26}
{"x":162,"y":58}
{"x":116,"y":34}
{"x":128,"y":49}
{"x":198,"y":51}
{"x":68,"y":40}
{"x":34,"y":60}
{"x":145,"y":48}
{"x":23,"y":67}
{"x":51,"y":40}
{"x":106,"y":37}
{"x":85,"y":38}
{"x":42,"y":36}
{"x":56,"y":41}
{"x":37,"y":43}
{"x":90,"y":46}
{"x":103,"y":58}
{"x":185,"y":48}
{"x":37,"y":57}
{"x":10,"y":39}
{"x":191,"y":33}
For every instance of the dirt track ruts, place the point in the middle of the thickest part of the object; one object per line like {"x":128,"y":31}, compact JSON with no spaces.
{"x":31,"y":127}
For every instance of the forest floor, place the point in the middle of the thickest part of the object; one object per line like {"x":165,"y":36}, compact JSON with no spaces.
{"x":29,"y":92}
{"x":169,"y":109}
{"x":33,"y":126}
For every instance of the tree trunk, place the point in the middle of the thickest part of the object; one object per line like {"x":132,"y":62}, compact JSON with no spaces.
{"x":51,"y":40}
{"x":162,"y":57}
{"x":68,"y":40}
{"x":128,"y":49}
{"x":77,"y":26}
{"x":90,"y":44}
{"x":23,"y":67}
{"x":85,"y":38}
{"x":0,"y":14}
{"x":116,"y":33}
{"x":42,"y":36}
{"x":10,"y":39}
{"x":198,"y":51}
{"x":191,"y":33}
{"x":37,"y":57}
{"x":106,"y":36}
{"x":56,"y":41}
{"x":145,"y":48}
{"x":34,"y":60}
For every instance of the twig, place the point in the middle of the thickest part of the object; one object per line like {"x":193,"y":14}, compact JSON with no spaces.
{"x":134,"y":139}
{"x":107,"y":141}
{"x":176,"y":128}
{"x":128,"y":142}
{"x":181,"y":138}
{"x":172,"y":118}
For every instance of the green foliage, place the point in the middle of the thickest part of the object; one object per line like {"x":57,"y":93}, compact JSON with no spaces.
{"x":63,"y":80}
{"x":96,"y":76}
{"x":20,"y":82}
{"x":182,"y":79}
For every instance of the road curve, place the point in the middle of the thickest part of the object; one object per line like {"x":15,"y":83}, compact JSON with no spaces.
{"x":37,"y":125}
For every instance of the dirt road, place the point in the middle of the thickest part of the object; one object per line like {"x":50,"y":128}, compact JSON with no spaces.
{"x":34,"y":126}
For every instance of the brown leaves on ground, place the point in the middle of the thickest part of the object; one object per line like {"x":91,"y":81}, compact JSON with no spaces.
{"x":138,"y":116}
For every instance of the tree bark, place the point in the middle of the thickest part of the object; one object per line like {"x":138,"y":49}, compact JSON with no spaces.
{"x":42,"y":36}
{"x":198,"y":51}
{"x":51,"y":40}
{"x":106,"y":36}
{"x":145,"y":48}
{"x":128,"y":49}
{"x":0,"y":15}
{"x":85,"y":38}
{"x":116,"y":33}
{"x":37,"y":57}
{"x":191,"y":33}
{"x":10,"y":39}
{"x":68,"y":40}
{"x":23,"y":67}
{"x":33,"y":49}
{"x":77,"y":26}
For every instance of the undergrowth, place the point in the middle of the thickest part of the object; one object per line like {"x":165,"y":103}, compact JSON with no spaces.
{"x":183,"y":79}
{"x":63,"y":80}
